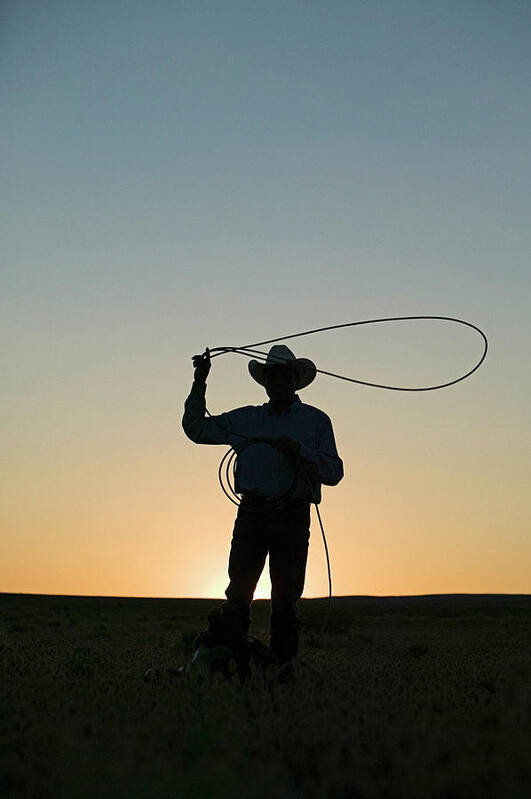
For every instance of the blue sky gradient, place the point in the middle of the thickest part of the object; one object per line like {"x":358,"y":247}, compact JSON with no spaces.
{"x":186,"y":174}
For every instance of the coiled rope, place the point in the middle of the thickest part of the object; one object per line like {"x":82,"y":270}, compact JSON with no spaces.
{"x":278,"y":502}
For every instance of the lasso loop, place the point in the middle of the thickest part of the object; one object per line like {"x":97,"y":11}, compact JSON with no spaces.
{"x":250,"y":351}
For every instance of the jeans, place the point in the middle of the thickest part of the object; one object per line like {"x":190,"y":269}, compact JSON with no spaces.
{"x":285,"y":536}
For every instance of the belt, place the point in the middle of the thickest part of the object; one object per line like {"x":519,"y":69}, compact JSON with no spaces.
{"x":260,"y":501}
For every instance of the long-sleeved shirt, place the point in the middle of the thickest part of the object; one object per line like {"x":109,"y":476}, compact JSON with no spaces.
{"x":260,"y":468}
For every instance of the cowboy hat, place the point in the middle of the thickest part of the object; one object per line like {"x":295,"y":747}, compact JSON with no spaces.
{"x":280,"y":355}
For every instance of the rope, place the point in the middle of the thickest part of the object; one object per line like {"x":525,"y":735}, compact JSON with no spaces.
{"x":249,"y":350}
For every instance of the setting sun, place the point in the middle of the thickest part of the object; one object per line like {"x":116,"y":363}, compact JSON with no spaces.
{"x":216,"y":586}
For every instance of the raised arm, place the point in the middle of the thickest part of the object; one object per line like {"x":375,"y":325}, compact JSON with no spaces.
{"x":203,"y":429}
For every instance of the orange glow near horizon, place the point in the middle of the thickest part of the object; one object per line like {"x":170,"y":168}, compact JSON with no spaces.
{"x":423,"y":507}
{"x":432,"y":528}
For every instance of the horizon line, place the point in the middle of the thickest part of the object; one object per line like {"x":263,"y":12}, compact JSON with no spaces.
{"x":267,"y":599}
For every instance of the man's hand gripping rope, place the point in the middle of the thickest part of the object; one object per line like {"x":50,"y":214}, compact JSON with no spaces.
{"x":202,"y":365}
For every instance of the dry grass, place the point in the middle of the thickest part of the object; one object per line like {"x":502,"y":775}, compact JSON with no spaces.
{"x":399,"y":698}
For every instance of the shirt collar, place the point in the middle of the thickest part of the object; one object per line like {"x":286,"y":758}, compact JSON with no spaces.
{"x":292,"y":408}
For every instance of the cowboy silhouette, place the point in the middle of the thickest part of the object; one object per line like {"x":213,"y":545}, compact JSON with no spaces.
{"x":302,"y":439}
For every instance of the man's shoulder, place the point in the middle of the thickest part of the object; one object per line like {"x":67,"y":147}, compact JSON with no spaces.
{"x":317,"y":413}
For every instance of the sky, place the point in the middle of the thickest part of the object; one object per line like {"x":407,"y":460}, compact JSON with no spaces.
{"x":182,"y":175}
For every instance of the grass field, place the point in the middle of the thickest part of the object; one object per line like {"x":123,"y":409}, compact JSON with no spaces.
{"x":400,"y":697}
